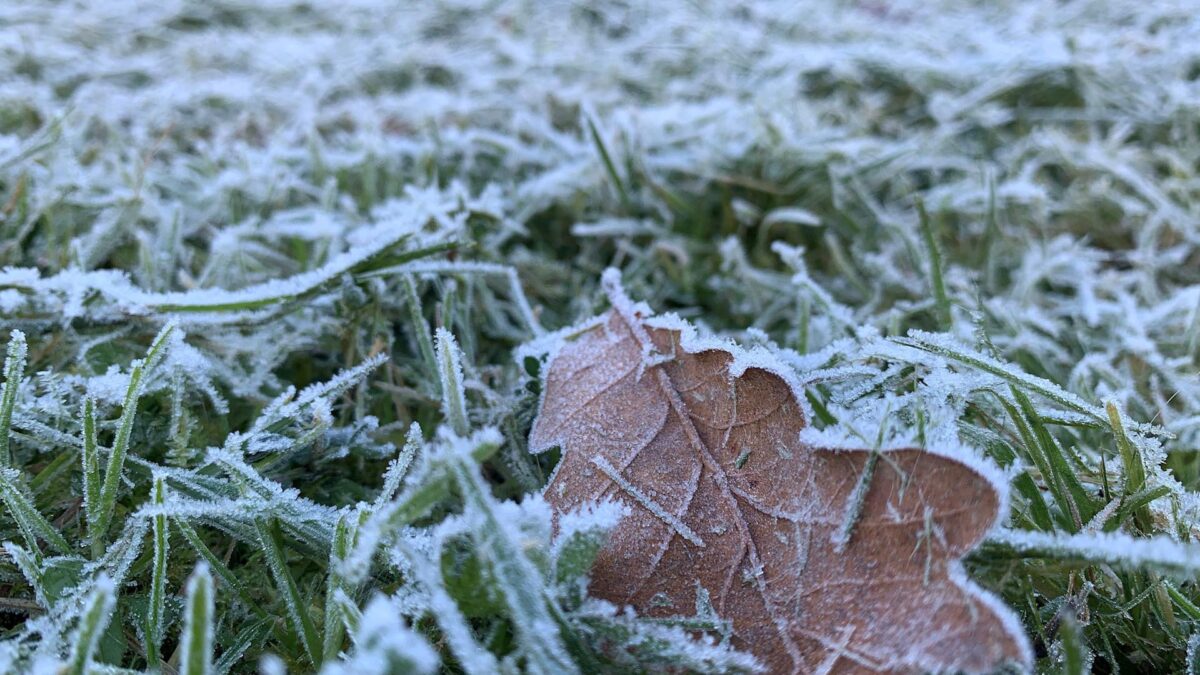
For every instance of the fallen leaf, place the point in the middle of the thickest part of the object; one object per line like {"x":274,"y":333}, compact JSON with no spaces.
{"x":822,"y":560}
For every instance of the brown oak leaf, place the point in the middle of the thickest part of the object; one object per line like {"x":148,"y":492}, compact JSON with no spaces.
{"x":702,"y":441}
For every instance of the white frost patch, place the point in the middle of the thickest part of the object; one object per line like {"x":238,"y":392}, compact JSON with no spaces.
{"x":383,"y":644}
{"x":1116,"y":548}
{"x":592,"y":517}
{"x":11,"y":300}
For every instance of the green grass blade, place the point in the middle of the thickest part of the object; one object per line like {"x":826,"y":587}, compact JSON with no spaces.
{"x":216,"y":565}
{"x":1182,"y":602}
{"x":1076,"y":657}
{"x":420,"y":327}
{"x":253,"y":634}
{"x":417,"y":502}
{"x":1055,"y":454}
{"x":518,"y":578}
{"x":1037,"y":504}
{"x":90,"y":458}
{"x":306,"y":285}
{"x":454,"y":404}
{"x":348,"y":613}
{"x":1131,"y":458}
{"x":936,"y":280}
{"x":196,"y":642}
{"x":1034,"y":452}
{"x":32,"y":524}
{"x":343,"y":544}
{"x":609,"y":166}
{"x":14,"y":370}
{"x":934,"y":344}
{"x":397,"y":470}
{"x":116,"y":459}
{"x":414,"y":503}
{"x":158,"y":580}
{"x":92,"y":624}
{"x":1135,"y":506}
{"x":297,"y":607}
{"x":30,"y":565}
{"x":473,"y":658}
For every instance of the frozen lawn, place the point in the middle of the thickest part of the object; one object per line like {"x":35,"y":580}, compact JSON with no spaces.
{"x":278,"y":276}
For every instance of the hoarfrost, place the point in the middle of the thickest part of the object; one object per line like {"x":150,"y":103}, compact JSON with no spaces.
{"x":383,"y":645}
{"x":1116,"y":548}
{"x":259,"y":173}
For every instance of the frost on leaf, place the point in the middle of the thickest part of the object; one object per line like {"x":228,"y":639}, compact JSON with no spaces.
{"x":823,"y":560}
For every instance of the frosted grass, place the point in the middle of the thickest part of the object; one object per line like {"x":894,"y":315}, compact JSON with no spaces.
{"x":353,"y":216}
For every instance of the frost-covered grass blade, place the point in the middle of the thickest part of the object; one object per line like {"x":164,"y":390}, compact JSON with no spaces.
{"x":196,"y":643}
